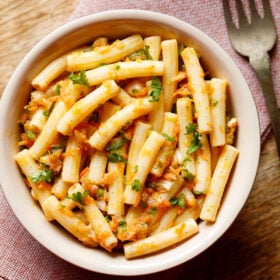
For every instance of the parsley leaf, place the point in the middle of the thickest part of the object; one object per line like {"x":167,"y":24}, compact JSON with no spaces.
{"x":152,"y":211}
{"x":116,"y":157}
{"x":142,"y":54}
{"x":122,"y":224}
{"x":179,"y":201}
{"x":195,"y":143}
{"x":156,"y":89}
{"x":30,"y":134}
{"x":45,"y":175}
{"x":136,"y":185}
{"x":168,"y":137}
{"x":46,"y":113}
{"x":79,"y":78}
{"x":79,"y":197}
{"x":117,"y":144}
{"x":57,"y":90}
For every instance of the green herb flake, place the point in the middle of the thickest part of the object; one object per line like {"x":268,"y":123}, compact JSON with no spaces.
{"x":181,"y":48}
{"x":79,"y":197}
{"x":79,"y":78}
{"x":108,"y":218}
{"x":57,"y":90}
{"x":152,"y":211}
{"x":168,"y":137}
{"x":45,"y":175}
{"x":196,"y":142}
{"x":118,"y":67}
{"x":116,"y":157}
{"x":30,"y":134}
{"x":214,"y":102}
{"x":46,"y":113}
{"x":145,"y":52}
{"x":187,"y":174}
{"x":117,"y":144}
{"x":136,"y":185}
{"x":122,"y":224}
{"x":179,"y":201}
{"x":100,"y":192}
{"x":156,"y":89}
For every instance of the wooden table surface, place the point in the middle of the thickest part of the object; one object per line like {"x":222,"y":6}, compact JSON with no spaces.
{"x":250,"y":249}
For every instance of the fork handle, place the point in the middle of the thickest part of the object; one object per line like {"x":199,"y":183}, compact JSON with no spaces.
{"x":261,"y":64}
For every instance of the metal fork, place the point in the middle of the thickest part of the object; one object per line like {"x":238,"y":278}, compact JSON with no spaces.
{"x":254,"y":39}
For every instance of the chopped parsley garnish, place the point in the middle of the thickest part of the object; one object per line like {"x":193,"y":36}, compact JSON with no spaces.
{"x":181,"y":48}
{"x":168,"y":138}
{"x":145,"y":52}
{"x":108,"y":218}
{"x":57,"y":90}
{"x":30,"y":134}
{"x":136,"y":185}
{"x":79,"y":197}
{"x":187,"y":174}
{"x":45,"y":175}
{"x":116,"y":157}
{"x":117,"y":144}
{"x":118,"y":67}
{"x":142,"y":54}
{"x":178,"y":201}
{"x":195,"y":143}
{"x":156,"y":89}
{"x":214,"y":101}
{"x":46,"y":113}
{"x":122,"y":224}
{"x":79,"y":78}
{"x":152,"y":211}
{"x":100,"y":192}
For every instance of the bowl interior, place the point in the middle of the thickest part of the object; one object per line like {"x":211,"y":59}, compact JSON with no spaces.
{"x":119,"y":24}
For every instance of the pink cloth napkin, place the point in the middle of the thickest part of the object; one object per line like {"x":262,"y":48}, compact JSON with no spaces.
{"x":21,"y":256}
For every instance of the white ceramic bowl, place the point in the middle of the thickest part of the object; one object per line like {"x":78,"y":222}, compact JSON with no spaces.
{"x":118,"y":24}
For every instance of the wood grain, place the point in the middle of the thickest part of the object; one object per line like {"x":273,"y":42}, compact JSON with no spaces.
{"x":250,"y":249}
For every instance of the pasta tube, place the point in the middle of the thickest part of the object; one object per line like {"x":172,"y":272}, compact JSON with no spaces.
{"x":138,"y":139}
{"x":215,"y":192}
{"x":49,"y":73}
{"x":118,"y":50}
{"x":170,"y":60}
{"x":161,"y":240}
{"x":198,"y":88}
{"x":218,"y":111}
{"x":31,"y":170}
{"x":83,"y":107}
{"x":143,"y":165}
{"x":70,"y":222}
{"x":125,"y":70}
{"x":107,"y":130}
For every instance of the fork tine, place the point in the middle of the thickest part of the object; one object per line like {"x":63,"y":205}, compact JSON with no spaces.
{"x":227,"y":14}
{"x":252,"y":7}
{"x":266,"y":9}
{"x":242,"y":18}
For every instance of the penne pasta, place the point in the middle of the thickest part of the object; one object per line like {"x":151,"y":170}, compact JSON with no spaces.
{"x":221,"y":174}
{"x":83,"y":107}
{"x":143,"y":164}
{"x":77,"y":61}
{"x":170,"y":60}
{"x":107,"y":130}
{"x":161,"y":240}
{"x":125,"y":70}
{"x":217,"y":94}
{"x":198,"y":88}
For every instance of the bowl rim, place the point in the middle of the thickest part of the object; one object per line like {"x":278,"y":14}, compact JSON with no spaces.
{"x":123,"y":14}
